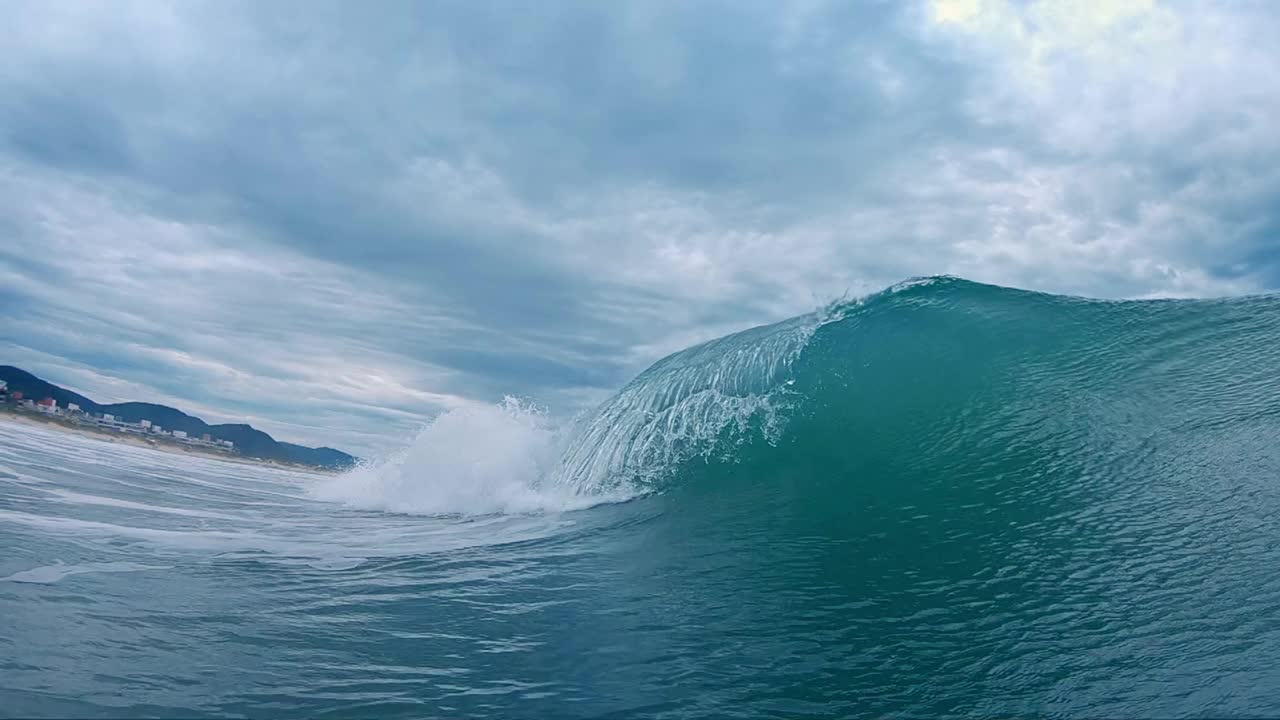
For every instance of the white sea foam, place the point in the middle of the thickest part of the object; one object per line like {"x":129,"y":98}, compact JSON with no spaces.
{"x":84,"y":499}
{"x":476,"y":460}
{"x":49,"y":574}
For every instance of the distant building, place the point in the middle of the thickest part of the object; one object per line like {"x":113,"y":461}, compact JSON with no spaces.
{"x":16,"y":395}
{"x":145,"y":423}
{"x":205,"y":437}
{"x":3,"y":386}
{"x":72,"y":407}
{"x":46,"y":404}
{"x":108,"y":417}
{"x":179,"y":433}
{"x":157,"y":429}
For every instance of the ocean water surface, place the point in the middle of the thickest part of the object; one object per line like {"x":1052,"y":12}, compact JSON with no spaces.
{"x":946,"y":499}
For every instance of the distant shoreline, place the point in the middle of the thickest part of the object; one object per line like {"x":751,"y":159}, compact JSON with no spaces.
{"x":40,"y":420}
{"x":22,"y":391}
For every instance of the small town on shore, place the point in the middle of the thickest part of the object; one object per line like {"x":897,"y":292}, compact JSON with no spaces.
{"x":106,"y":422}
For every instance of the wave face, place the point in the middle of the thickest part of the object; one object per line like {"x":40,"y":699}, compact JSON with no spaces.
{"x":939,"y":375}
{"x":953,"y":498}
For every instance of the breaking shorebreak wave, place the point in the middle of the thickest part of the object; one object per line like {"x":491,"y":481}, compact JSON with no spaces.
{"x":930,"y":365}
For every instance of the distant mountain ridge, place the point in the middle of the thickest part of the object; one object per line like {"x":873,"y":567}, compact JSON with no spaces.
{"x":248,"y":440}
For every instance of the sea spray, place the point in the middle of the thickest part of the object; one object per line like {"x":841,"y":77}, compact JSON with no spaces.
{"x":472,"y":460}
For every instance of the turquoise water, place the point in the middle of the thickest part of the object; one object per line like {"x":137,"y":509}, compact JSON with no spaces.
{"x":947,"y":499}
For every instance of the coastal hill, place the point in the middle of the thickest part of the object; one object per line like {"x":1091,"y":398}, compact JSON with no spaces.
{"x":248,"y":440}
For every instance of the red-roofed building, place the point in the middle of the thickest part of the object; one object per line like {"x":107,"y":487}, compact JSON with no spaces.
{"x":46,"y":403}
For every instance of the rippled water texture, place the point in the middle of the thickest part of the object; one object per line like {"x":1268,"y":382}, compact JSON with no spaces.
{"x":948,"y":499}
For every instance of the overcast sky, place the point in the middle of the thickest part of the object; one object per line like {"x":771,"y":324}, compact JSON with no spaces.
{"x":336,"y":220}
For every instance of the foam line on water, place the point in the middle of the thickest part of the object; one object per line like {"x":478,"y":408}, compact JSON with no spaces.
{"x":49,"y":574}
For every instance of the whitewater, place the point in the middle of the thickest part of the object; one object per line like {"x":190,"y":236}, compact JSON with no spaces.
{"x":944,"y":499}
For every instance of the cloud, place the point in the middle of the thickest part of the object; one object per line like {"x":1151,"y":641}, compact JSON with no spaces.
{"x":340,"y":223}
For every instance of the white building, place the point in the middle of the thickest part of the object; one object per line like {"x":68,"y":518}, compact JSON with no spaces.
{"x":72,"y":407}
{"x":108,"y":417}
{"x":4,"y":385}
{"x":180,"y":433}
{"x":145,"y":423}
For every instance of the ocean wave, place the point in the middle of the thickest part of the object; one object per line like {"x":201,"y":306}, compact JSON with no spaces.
{"x":931,"y":368}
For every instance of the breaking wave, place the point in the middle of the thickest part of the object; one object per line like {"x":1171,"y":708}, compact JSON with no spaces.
{"x":935,"y":369}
